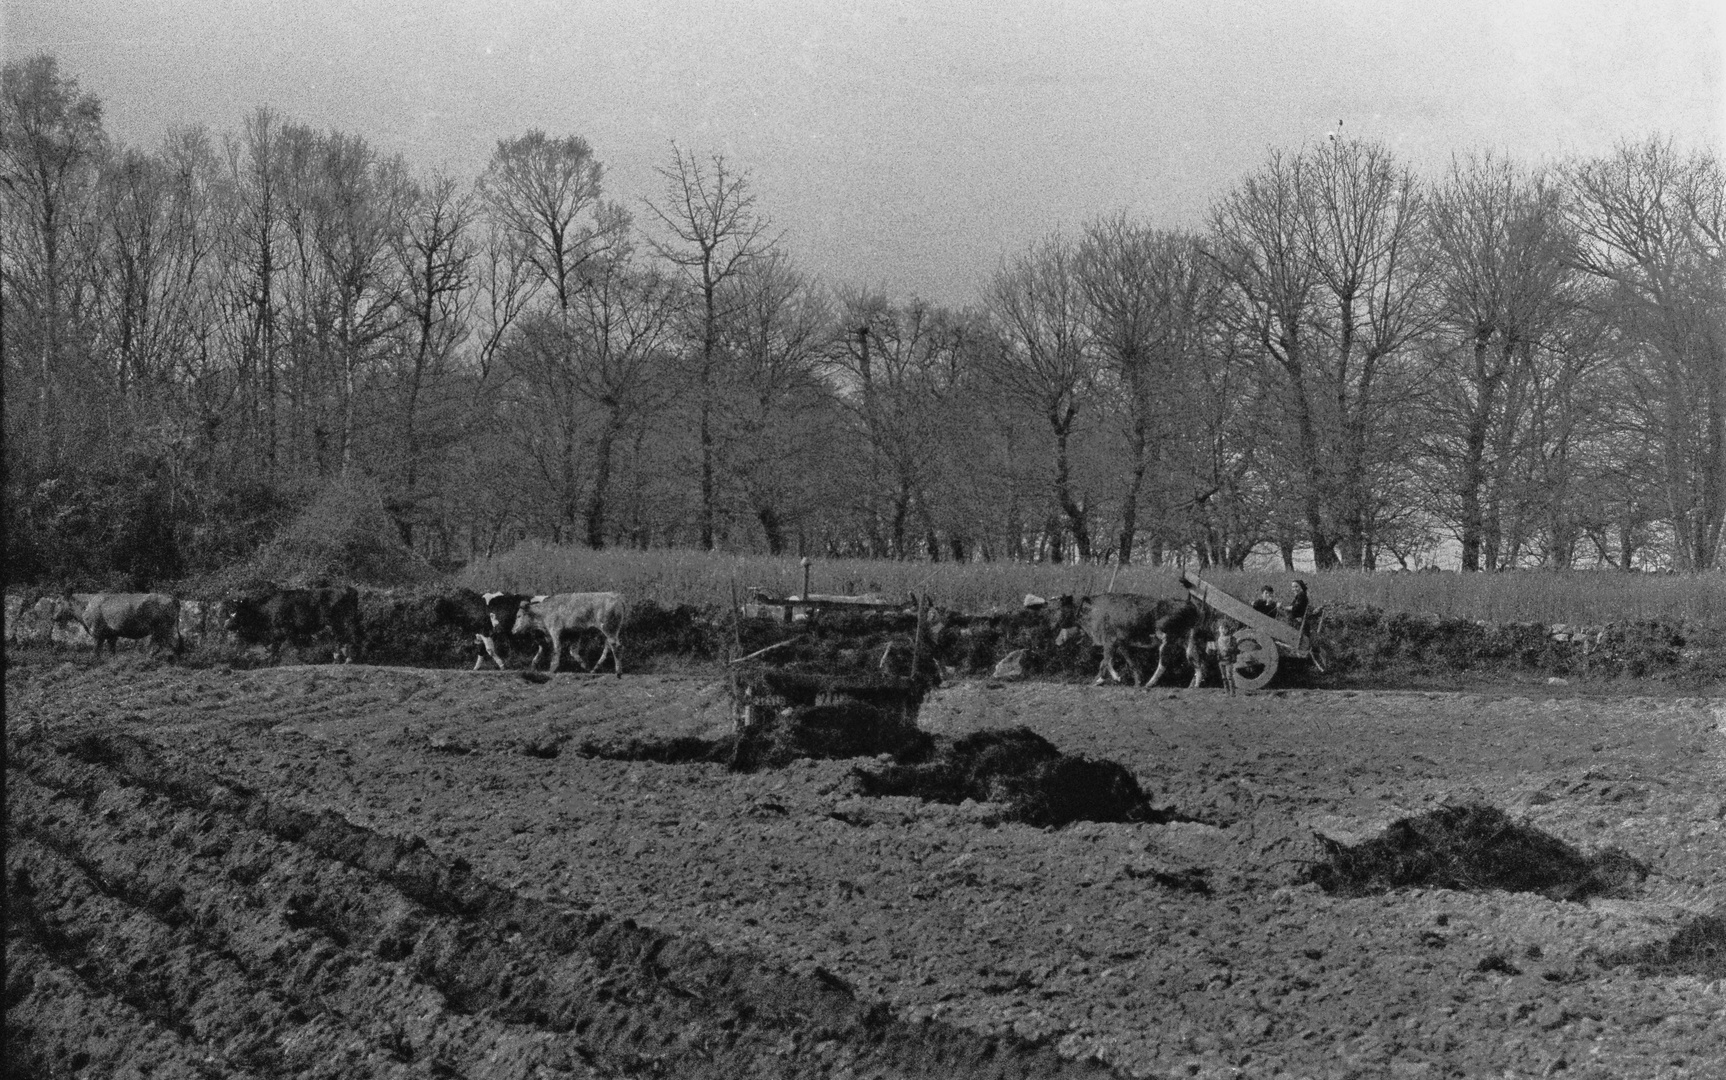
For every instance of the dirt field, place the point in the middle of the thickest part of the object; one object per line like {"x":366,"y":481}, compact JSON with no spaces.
{"x":359,"y":871}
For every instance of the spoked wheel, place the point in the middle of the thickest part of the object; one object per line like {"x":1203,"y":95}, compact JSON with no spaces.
{"x":1255,"y":659}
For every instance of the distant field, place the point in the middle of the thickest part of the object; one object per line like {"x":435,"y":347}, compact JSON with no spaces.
{"x":703,"y":578}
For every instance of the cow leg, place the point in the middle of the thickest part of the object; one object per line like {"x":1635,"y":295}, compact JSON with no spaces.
{"x":616,"y":658}
{"x":1106,"y":669}
{"x":488,"y":647}
{"x":578,"y":653}
{"x":1133,"y":666}
{"x":1196,"y":657}
{"x":1162,"y":662}
{"x":556,"y":648}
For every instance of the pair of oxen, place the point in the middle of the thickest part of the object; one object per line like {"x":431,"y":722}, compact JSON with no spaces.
{"x":1128,"y":624}
{"x":277,"y":616}
{"x":273,"y":617}
{"x":553,"y":620}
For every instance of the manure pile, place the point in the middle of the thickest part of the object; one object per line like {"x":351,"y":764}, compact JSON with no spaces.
{"x":1469,"y":847}
{"x":160,"y":919}
{"x":1033,"y":781}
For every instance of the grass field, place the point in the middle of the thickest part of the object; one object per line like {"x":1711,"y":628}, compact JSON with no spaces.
{"x":704,"y":578}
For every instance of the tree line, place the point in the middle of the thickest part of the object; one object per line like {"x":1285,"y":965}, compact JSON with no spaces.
{"x":1348,"y":360}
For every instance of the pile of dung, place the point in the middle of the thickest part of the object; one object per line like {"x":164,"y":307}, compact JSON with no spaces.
{"x":1697,"y":949}
{"x":1471,"y":847}
{"x":1037,"y":783}
{"x":843,"y":728}
{"x":683,"y":750}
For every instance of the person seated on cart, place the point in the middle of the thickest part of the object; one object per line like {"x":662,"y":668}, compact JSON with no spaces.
{"x":1297,"y":607}
{"x":1266,"y":604}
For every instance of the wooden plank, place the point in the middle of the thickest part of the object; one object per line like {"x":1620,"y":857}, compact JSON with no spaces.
{"x":1205,"y":593}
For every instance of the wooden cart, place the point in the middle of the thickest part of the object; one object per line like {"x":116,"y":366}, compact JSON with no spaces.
{"x":1261,"y":642}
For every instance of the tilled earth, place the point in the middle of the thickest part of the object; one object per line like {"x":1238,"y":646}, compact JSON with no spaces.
{"x":357,"y":871}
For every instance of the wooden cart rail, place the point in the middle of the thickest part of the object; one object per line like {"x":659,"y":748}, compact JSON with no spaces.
{"x":1261,"y":642}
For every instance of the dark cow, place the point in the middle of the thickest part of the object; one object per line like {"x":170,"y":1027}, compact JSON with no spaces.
{"x":1126,"y":619}
{"x":489,"y":617}
{"x":571,"y":613}
{"x":112,"y":616}
{"x":275,"y":617}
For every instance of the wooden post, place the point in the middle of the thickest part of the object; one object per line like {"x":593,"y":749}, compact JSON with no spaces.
{"x":917,"y":640}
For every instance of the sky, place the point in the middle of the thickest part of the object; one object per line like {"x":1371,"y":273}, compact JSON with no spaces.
{"x":910,"y":147}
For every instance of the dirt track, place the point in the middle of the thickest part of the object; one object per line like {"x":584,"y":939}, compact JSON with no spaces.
{"x":189,"y":897}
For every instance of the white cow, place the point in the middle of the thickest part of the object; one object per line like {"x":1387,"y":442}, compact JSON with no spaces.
{"x":570,"y":613}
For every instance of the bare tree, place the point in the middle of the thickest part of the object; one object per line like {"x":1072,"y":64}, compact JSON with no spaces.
{"x":253,"y":254}
{"x":51,"y":143}
{"x":359,"y":202}
{"x":591,"y":376}
{"x":1326,"y":256}
{"x":716,"y":233}
{"x":774,"y":406}
{"x":1152,"y":305}
{"x":435,"y":249}
{"x":545,"y":194}
{"x":897,"y":367}
{"x":1042,"y":361}
{"x":1651,"y":224}
{"x":1504,"y":285}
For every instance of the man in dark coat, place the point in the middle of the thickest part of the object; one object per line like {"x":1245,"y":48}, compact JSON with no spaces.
{"x":1266,"y":604}
{"x":1297,"y":606}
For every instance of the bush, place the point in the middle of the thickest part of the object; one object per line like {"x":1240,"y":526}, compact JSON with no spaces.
{"x":345,"y":536}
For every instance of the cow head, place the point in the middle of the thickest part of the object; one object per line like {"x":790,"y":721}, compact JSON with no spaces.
{"x":1065,"y":612}
{"x":55,"y":609}
{"x":241,"y":615}
{"x":504,"y":617}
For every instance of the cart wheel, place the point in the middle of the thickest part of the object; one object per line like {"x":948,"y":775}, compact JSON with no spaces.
{"x":1255,"y":659}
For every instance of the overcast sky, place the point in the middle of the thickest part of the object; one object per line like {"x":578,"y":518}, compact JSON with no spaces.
{"x":908,"y":146}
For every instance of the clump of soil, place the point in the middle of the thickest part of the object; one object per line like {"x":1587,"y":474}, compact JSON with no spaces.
{"x":1019,"y":768}
{"x":1698,"y":949}
{"x":1471,"y":847}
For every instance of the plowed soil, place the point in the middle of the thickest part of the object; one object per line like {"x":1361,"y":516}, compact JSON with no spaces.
{"x":357,"y":871}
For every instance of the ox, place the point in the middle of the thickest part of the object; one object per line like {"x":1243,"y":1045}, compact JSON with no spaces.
{"x":112,"y":616}
{"x":571,"y":613}
{"x":489,"y":618}
{"x":277,"y":616}
{"x":1121,"y":620}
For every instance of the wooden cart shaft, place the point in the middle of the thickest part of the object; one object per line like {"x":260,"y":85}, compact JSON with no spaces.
{"x":1209,"y":595}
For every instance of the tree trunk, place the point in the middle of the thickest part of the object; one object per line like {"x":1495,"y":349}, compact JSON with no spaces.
{"x":1136,"y":441}
{"x":1075,"y":514}
{"x":1474,"y":455}
{"x":596,"y":503}
{"x":771,"y":528}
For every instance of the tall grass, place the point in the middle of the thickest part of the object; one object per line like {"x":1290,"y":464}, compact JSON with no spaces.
{"x":708,"y":579}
